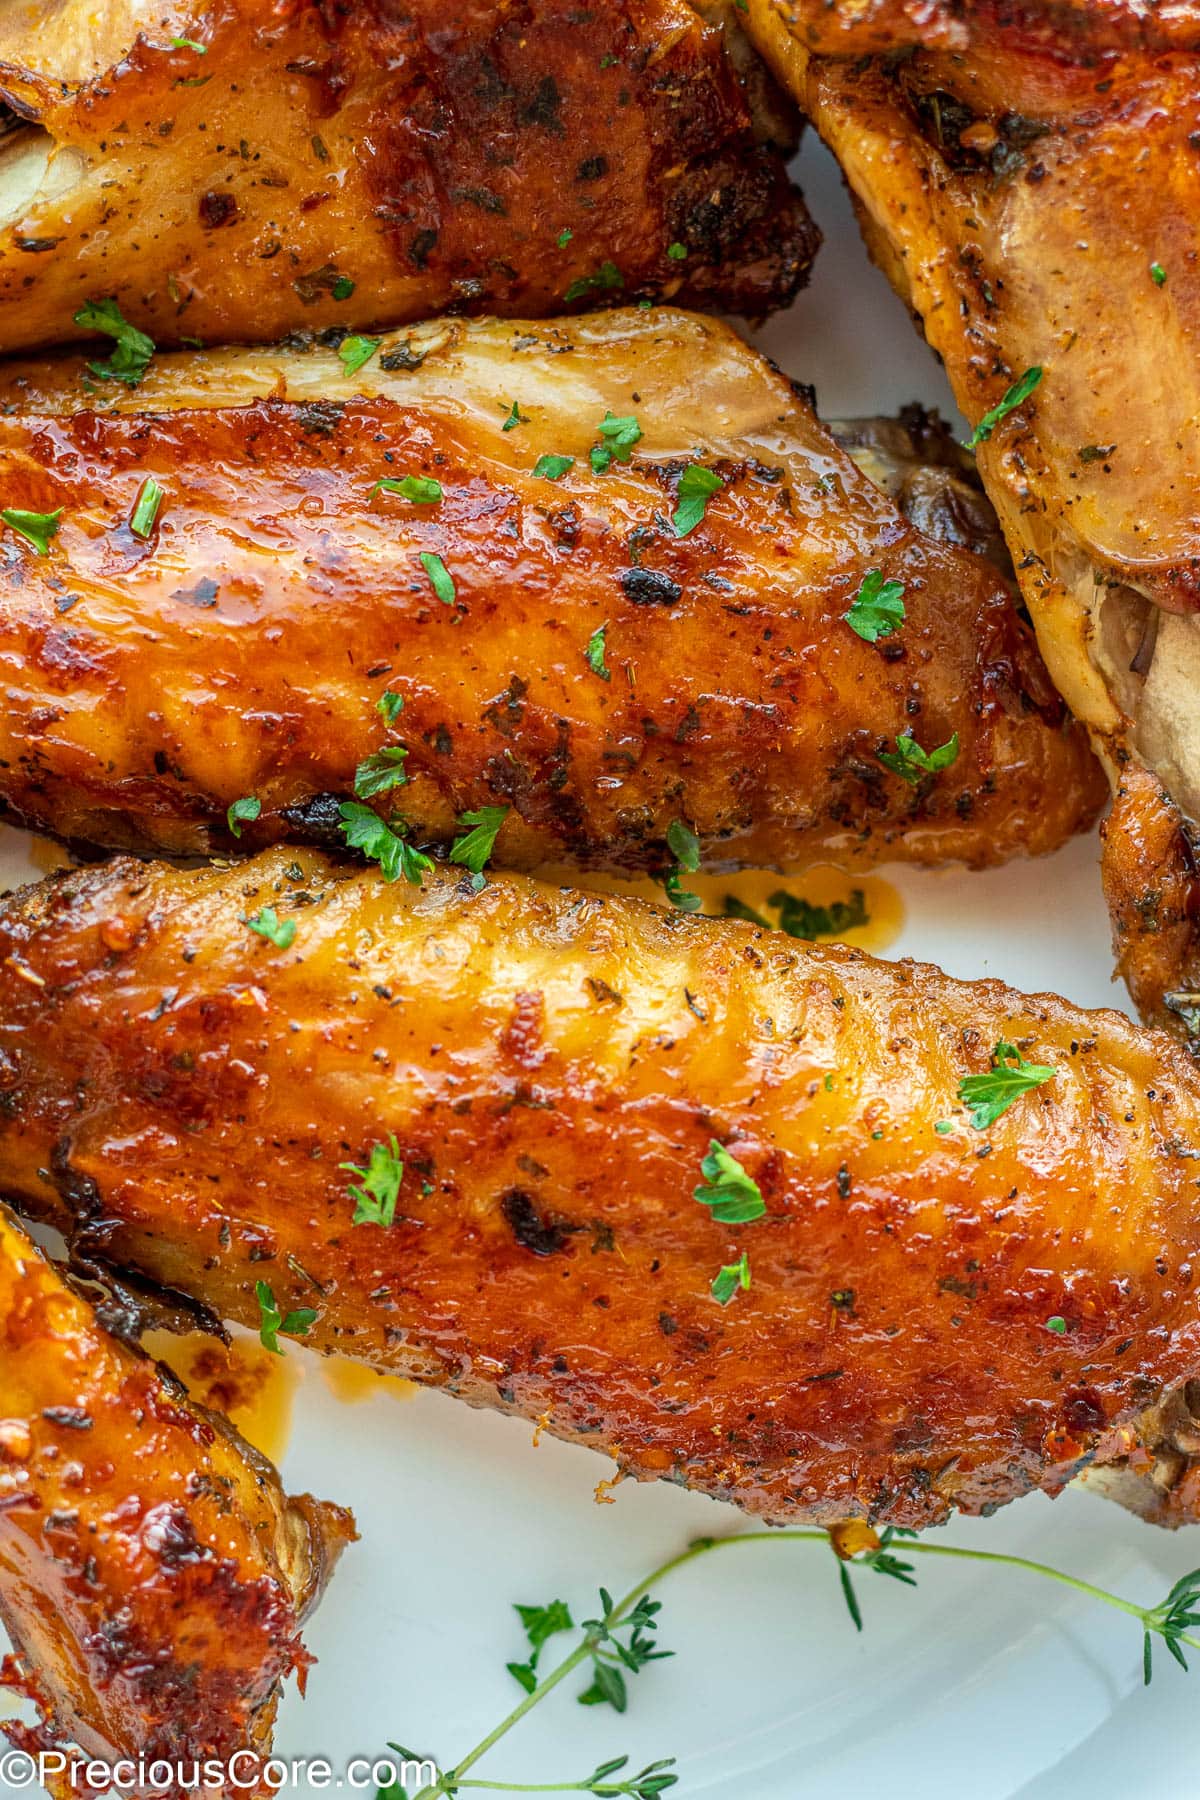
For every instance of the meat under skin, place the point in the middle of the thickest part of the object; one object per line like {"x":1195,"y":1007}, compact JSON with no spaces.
{"x":329,"y":166}
{"x":243,"y":649}
{"x":180,"y":1096}
{"x":153,"y":1575}
{"x":1026,"y":174}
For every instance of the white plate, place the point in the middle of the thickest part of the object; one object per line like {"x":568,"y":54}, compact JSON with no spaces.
{"x":982,"y":1682}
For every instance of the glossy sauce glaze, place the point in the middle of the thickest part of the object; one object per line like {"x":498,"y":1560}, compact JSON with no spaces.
{"x":246,"y":646}
{"x":939,"y":1316}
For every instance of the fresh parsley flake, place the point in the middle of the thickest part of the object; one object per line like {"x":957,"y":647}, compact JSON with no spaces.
{"x":422,"y":490}
{"x":800,"y":918}
{"x":516,"y":417}
{"x":272,"y":1321}
{"x":474,"y":848}
{"x":380,"y":772}
{"x":1057,"y":1325}
{"x":677,"y":252}
{"x":606,"y":278}
{"x":684,"y":846}
{"x":146,"y":507}
{"x":36,"y":528}
{"x":364,"y":830}
{"x":354,"y":352}
{"x":131,"y":357}
{"x":733,"y":1197}
{"x":943,"y":1126}
{"x":621,"y":434}
{"x":185,"y":43}
{"x":679,"y":896}
{"x":1010,"y":1076}
{"x":912,"y":764}
{"x":1158,"y":274}
{"x":877,"y":609}
{"x":439,"y":577}
{"x":390,"y":705}
{"x":696,"y":487}
{"x":1016,"y":396}
{"x":267,"y":923}
{"x":730,"y":1278}
{"x":380,"y":1185}
{"x":594,"y":653}
{"x":342,"y":288}
{"x":553,"y":468}
{"x":564,"y":237}
{"x":243,"y":810}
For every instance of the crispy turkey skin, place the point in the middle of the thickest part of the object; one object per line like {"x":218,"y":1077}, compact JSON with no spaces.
{"x":1027,"y":175}
{"x":590,"y":669}
{"x":552,"y":1068}
{"x":306,"y":165}
{"x":153,"y":1575}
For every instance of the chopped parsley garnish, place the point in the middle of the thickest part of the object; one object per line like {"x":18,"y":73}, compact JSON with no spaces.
{"x":439,"y":577}
{"x":553,"y":468}
{"x":131,"y":357}
{"x":380,"y":1185}
{"x":1057,"y":1325}
{"x":696,"y":486}
{"x":422,"y":490}
{"x":390,"y":705}
{"x":474,"y":847}
{"x":912,"y":764}
{"x":730,"y":1278}
{"x":355,"y":352}
{"x":1010,"y":1076}
{"x":516,"y":417}
{"x":877,"y":609}
{"x":36,"y":528}
{"x":145,"y":508}
{"x":677,"y":252}
{"x":731,"y":1195}
{"x":277,"y":931}
{"x":272,"y":1321}
{"x":564,"y":237}
{"x":621,"y":435}
{"x":247,"y":810}
{"x":800,"y":918}
{"x":364,"y":830}
{"x":380,"y":772}
{"x":342,"y":288}
{"x":594,"y":653}
{"x":182,"y":43}
{"x":1158,"y":274}
{"x":1016,"y":396}
{"x":684,"y":846}
{"x":606,"y":278}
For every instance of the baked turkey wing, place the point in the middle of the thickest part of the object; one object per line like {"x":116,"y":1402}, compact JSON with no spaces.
{"x":940,"y":1313}
{"x":1027,"y":175}
{"x":153,"y":1574}
{"x":579,"y":661}
{"x":255,"y":168}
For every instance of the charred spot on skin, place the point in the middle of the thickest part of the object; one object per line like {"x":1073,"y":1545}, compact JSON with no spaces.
{"x":650,"y":587}
{"x":217,"y":209}
{"x":317,"y":820}
{"x":533,"y":1230}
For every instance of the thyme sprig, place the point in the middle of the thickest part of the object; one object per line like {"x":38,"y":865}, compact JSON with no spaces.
{"x":636,"y":1616}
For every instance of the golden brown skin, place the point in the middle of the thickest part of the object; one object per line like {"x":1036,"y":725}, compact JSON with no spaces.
{"x":330,"y":165}
{"x":243,"y":649}
{"x":180,"y":1095}
{"x":153,"y":1575}
{"x":1027,"y":176}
